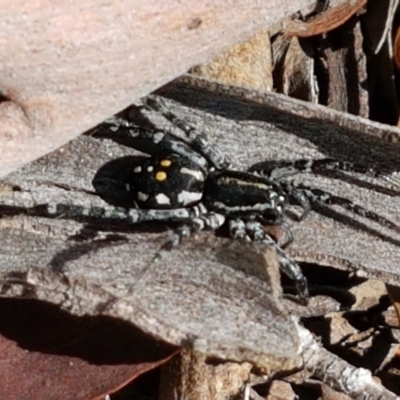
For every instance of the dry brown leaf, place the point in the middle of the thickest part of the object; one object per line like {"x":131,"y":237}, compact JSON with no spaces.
{"x":326,"y":21}
{"x":50,"y":354}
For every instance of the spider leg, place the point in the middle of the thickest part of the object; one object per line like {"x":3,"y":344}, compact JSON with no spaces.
{"x":322,"y":197}
{"x":237,"y":229}
{"x":211,"y":221}
{"x":288,"y":235}
{"x":132,"y":215}
{"x":195,"y":218}
{"x":198,"y":140}
{"x":254,"y":231}
{"x":152,"y":141}
{"x":298,"y":197}
{"x":283,"y":169}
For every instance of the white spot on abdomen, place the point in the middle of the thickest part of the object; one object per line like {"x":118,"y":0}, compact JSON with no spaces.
{"x":161,"y":198}
{"x":186,"y":198}
{"x":142,"y":196}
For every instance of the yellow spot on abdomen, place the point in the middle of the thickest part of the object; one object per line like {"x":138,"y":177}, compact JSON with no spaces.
{"x":161,"y":176}
{"x":165,"y":162}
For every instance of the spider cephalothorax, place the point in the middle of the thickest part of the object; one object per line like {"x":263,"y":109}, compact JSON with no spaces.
{"x":189,"y":181}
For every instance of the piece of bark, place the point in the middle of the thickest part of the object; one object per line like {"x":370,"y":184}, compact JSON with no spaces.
{"x":206,"y":293}
{"x":294,"y":68}
{"x":68,"y":66}
{"x":360,"y":103}
{"x":341,"y":376}
{"x":315,"y":132}
{"x":311,"y":131}
{"x":342,"y":74}
{"x":341,"y":70}
{"x":190,"y":376}
{"x":246,"y":64}
{"x":382,"y":91}
{"x":281,"y":390}
{"x":335,"y":15}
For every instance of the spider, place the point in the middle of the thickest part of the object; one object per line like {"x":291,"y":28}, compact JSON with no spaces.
{"x":190,"y":181}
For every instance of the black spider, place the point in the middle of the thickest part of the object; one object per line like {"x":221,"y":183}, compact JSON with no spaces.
{"x":191,"y":182}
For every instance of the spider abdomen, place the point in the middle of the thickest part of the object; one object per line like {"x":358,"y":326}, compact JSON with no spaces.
{"x":238,"y":193}
{"x":166,"y":182}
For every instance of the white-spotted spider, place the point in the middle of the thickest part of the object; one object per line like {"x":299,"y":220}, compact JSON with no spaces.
{"x":192,"y":183}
